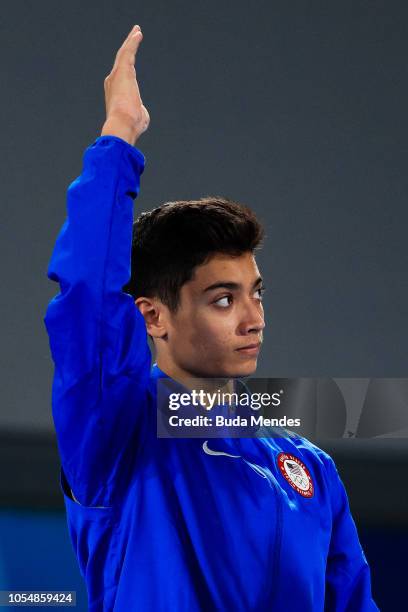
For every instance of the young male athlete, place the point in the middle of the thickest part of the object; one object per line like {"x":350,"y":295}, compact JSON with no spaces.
{"x":164,"y":524}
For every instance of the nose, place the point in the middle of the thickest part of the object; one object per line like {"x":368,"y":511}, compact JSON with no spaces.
{"x":252,"y":319}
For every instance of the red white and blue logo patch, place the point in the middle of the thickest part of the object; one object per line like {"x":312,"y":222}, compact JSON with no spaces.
{"x":296,"y":474}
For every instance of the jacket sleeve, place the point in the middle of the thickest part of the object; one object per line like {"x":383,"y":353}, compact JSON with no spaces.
{"x":97,"y":335}
{"x":348,"y":580}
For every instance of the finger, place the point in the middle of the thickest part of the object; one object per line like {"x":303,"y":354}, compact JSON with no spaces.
{"x":134,"y":30}
{"x":127,"y":52}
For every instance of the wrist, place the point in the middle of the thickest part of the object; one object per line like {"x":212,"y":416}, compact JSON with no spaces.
{"x":119,"y":129}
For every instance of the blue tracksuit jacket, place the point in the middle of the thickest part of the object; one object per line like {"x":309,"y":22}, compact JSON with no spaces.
{"x":178,"y":525}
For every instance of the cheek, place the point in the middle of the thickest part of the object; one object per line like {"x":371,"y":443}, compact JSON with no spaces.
{"x":209,"y":332}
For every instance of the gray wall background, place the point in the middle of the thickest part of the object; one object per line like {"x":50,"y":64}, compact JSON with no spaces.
{"x":298,"y":109}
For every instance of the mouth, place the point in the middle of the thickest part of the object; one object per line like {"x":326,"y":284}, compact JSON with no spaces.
{"x":250,"y":349}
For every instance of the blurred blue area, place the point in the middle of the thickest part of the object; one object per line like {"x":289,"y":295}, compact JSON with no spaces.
{"x":386,"y":552}
{"x":36,"y":554}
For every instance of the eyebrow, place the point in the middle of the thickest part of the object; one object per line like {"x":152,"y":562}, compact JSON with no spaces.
{"x":230,"y":285}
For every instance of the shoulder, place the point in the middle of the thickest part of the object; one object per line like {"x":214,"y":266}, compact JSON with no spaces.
{"x":305,"y":446}
{"x":323,"y":466}
{"x":308,"y":452}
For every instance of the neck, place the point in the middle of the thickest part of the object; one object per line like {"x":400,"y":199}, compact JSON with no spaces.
{"x":195,"y":381}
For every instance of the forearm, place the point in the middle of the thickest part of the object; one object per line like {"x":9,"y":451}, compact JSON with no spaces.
{"x":91,"y":258}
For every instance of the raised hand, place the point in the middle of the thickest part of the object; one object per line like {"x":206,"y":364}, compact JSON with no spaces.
{"x":126,"y":115}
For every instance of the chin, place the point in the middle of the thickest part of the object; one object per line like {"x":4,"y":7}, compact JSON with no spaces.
{"x":238,"y":369}
{"x":249,"y":370}
{"x":244,"y":369}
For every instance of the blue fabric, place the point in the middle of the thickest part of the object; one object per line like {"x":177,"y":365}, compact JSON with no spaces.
{"x":160,"y":524}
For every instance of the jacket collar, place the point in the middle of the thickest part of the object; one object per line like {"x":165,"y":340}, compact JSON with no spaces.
{"x":156,"y":372}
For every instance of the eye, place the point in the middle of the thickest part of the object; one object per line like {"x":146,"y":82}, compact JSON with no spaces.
{"x":223,"y":301}
{"x":260,"y":291}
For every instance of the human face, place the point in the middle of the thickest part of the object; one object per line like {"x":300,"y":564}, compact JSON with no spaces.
{"x":217,"y":329}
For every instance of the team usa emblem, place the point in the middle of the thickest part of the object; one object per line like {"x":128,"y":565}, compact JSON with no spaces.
{"x":296,"y":473}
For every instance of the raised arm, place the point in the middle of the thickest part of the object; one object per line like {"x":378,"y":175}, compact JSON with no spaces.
{"x":97,"y":335}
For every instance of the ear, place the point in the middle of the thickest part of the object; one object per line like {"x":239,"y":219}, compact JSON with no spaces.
{"x":154,"y":316}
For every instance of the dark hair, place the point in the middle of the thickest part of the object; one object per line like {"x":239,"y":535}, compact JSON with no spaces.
{"x":169,"y":241}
